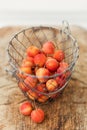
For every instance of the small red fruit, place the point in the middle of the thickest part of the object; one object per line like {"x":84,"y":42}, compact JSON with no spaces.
{"x":59,"y":55}
{"x":52,"y":64}
{"x":26,"y":70}
{"x":32,"y":51}
{"x":64,"y":65}
{"x":26,"y":108}
{"x":29,"y":58}
{"x":41,"y":88}
{"x":30,"y":81}
{"x":37,"y":115}
{"x":29,"y":62}
{"x":60,"y":81}
{"x":41,"y":72}
{"x":43,"y":98}
{"x":40,"y":59}
{"x":48,"y":47}
{"x":32,"y":95}
{"x":51,"y":84}
{"x":23,"y":76}
{"x":23,"y":87}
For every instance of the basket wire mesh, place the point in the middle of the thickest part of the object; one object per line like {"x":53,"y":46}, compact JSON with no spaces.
{"x":37,"y":36}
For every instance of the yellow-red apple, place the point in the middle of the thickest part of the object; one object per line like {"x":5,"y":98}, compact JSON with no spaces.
{"x":41,"y":72}
{"x":51,"y":85}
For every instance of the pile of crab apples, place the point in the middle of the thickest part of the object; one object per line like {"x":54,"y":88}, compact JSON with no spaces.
{"x":38,"y":67}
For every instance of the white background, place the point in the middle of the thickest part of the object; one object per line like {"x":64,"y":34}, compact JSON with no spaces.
{"x":39,"y":12}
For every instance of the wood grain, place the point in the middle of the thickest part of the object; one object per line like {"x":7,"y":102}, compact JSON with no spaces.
{"x":69,"y":112}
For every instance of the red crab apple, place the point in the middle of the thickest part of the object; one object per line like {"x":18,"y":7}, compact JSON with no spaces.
{"x":26,"y":108}
{"x":28,"y":62}
{"x":23,"y":87}
{"x":51,"y":84}
{"x":52,"y":64}
{"x":23,"y":76}
{"x":37,"y":115}
{"x":29,"y":58}
{"x":60,"y":81}
{"x":26,"y":69}
{"x":32,"y":95}
{"x":42,"y":98}
{"x":40,"y":59}
{"x":62,"y":68}
{"x":41,"y":72}
{"x":64,"y":65}
{"x":48,"y":47}
{"x":41,"y":87}
{"x":59,"y":55}
{"x":31,"y":81}
{"x":32,"y":51}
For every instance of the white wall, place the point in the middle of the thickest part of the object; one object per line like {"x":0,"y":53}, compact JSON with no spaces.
{"x":33,"y":12}
{"x":51,"y":5}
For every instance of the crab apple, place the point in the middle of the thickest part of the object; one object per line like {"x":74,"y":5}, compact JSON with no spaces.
{"x":41,"y":88}
{"x":29,"y":62}
{"x":29,"y":58}
{"x":51,"y":84}
{"x":59,"y":55}
{"x":32,"y":95}
{"x":41,"y":72}
{"x":32,"y":51}
{"x":52,"y":64}
{"x":67,"y":74}
{"x":60,"y":81}
{"x":23,"y":76}
{"x":43,"y":98}
{"x":62,"y":68}
{"x":31,"y":81}
{"x":26,"y":69}
{"x":37,"y":115}
{"x":64,"y":65}
{"x":23,"y":87}
{"x":48,"y":47}
{"x":40,"y":59}
{"x":26,"y":108}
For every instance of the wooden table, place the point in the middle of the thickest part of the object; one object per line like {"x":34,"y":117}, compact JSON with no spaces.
{"x":66,"y":113}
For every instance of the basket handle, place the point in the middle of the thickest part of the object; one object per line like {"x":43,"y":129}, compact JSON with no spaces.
{"x":66,"y":28}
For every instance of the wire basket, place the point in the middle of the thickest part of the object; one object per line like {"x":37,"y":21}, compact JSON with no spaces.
{"x":62,"y":39}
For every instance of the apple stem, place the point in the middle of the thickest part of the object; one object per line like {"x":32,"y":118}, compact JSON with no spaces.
{"x":35,"y":104}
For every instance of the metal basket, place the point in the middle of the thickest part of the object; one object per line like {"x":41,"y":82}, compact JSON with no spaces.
{"x":62,"y":38}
